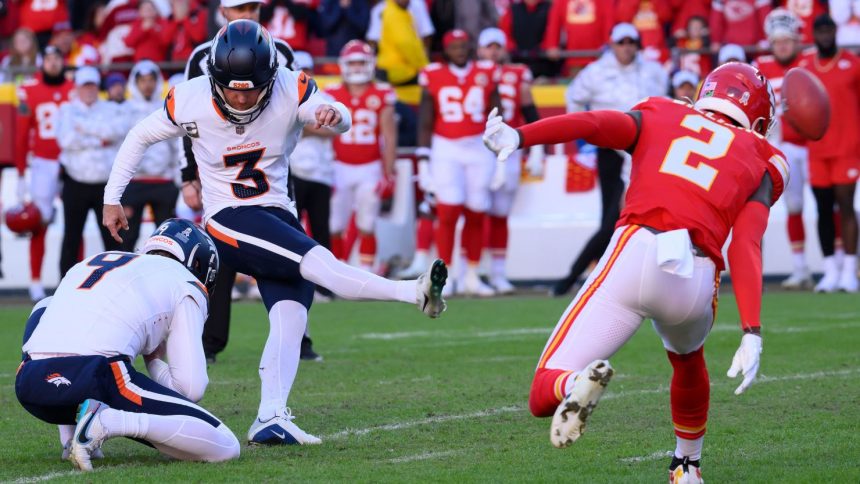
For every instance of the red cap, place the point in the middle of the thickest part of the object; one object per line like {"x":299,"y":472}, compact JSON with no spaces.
{"x":453,"y":35}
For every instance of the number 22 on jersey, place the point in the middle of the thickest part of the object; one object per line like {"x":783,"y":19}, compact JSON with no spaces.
{"x":677,"y":160}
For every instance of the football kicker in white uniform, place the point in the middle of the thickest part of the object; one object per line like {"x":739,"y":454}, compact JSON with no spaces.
{"x":244,"y":119}
{"x":79,"y":346}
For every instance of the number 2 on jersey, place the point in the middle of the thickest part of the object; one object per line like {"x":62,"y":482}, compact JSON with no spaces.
{"x":103,"y":265}
{"x":678,"y":156}
{"x":248,"y":160}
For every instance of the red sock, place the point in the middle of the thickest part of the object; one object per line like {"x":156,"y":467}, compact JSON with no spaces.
{"x":796,"y":233}
{"x":446,"y":228}
{"x":337,"y":246}
{"x":349,"y":237}
{"x":424,"y":234}
{"x":473,"y":235}
{"x":37,"y":253}
{"x":81,"y":250}
{"x":367,"y":249}
{"x":689,"y":393}
{"x":547,"y":391}
{"x":498,"y":243}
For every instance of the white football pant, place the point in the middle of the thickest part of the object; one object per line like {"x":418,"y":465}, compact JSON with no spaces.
{"x":462,"y":170}
{"x":355,"y":190}
{"x":502,"y":200}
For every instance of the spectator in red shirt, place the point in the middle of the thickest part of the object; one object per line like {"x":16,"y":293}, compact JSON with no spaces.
{"x":650,"y":18}
{"x":695,"y":39}
{"x":114,"y":25}
{"x":683,"y":11}
{"x":43,"y":17}
{"x":151,"y":35}
{"x":806,"y":11}
{"x":738,"y":22}
{"x":189,"y":28}
{"x":586,"y":23}
{"x":288,"y":20}
{"x":524,"y":25}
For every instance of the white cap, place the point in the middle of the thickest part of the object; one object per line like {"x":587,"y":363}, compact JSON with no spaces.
{"x":87,"y":75}
{"x":492,"y":35}
{"x":623,"y":31}
{"x":730,"y":52}
{"x":682,"y":77}
{"x":236,"y":3}
{"x":302,"y":60}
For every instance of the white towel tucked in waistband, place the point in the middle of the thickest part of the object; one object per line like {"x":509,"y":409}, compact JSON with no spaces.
{"x":675,"y":253}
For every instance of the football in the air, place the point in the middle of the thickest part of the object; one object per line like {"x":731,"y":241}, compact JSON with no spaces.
{"x":806,"y":103}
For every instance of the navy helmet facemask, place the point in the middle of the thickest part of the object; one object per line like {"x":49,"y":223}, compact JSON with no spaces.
{"x":242,"y":58}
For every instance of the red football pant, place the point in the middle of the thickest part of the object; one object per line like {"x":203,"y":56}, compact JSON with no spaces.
{"x":424,"y":234}
{"x":689,"y":393}
{"x":796,"y":232}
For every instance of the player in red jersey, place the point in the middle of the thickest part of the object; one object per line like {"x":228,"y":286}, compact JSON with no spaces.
{"x":518,"y":108}
{"x":36,"y":135}
{"x":457,"y":170}
{"x":834,"y":160}
{"x":364,"y":155}
{"x":783,"y":33}
{"x":697,"y":173}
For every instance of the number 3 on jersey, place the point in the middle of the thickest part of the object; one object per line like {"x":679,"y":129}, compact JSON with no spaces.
{"x":678,"y":156}
{"x":248,"y":160}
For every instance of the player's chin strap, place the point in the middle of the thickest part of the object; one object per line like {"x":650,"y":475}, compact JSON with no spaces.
{"x":246,"y":116}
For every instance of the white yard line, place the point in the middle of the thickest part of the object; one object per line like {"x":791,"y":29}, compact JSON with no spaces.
{"x":644,"y":458}
{"x":45,"y":477}
{"x":812,"y":327}
{"x":422,"y":456}
{"x":453,"y":334}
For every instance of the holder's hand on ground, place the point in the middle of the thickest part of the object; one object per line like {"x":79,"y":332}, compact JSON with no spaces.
{"x":113,"y":217}
{"x":746,"y":361}
{"x":500,"y":138}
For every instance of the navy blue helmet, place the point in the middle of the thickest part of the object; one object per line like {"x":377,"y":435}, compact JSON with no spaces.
{"x":188,"y":244}
{"x":242,"y":58}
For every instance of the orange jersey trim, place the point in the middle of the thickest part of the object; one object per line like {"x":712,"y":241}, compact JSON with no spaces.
{"x":120,"y":384}
{"x":222,"y":236}
{"x":586,"y":296}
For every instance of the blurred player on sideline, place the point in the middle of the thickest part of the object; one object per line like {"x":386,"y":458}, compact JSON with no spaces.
{"x":453,"y":166}
{"x":783,"y":33}
{"x":364,"y":155}
{"x":123,"y":305}
{"x":834,"y":160}
{"x":698,"y":172}
{"x":518,"y":108}
{"x":39,"y":101}
{"x":245,"y":117}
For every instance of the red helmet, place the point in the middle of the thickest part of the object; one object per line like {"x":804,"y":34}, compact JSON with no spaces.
{"x":24,"y":219}
{"x":357,"y":51}
{"x":742,"y":93}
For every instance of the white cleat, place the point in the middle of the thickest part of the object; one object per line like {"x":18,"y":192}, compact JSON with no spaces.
{"x":236,"y":294}
{"x":280,"y":430}
{"x":848,"y":281}
{"x":830,"y":281}
{"x":800,"y":279}
{"x":37,"y":292}
{"x":89,"y":434}
{"x":431,"y":289}
{"x":472,"y":285}
{"x":686,"y":473}
{"x":253,"y":293}
{"x":502,"y":285}
{"x":418,"y":266}
{"x":568,"y":423}
{"x":67,"y":451}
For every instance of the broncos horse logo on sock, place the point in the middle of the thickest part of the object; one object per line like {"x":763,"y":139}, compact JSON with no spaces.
{"x":58,"y":380}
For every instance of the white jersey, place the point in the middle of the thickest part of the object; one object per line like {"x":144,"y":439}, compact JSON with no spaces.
{"x":118,"y":303}
{"x":238,"y":165}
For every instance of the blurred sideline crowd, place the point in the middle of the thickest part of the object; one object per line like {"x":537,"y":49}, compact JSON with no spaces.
{"x":87,"y":70}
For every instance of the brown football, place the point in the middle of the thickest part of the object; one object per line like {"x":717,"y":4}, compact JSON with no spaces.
{"x":806,"y":103}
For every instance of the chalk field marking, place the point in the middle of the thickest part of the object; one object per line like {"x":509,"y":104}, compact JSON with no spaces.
{"x":422,"y":456}
{"x":644,"y":458}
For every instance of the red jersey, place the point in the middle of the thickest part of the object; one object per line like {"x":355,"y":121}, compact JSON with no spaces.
{"x":36,"y":127}
{"x":461,"y":96}
{"x":775,"y":72}
{"x":44,"y":15}
{"x":513,"y":78}
{"x":362,"y":143}
{"x":841,"y":77}
{"x":649,"y":17}
{"x":738,"y":21}
{"x":693,"y":171}
{"x":284,"y":26}
{"x":586,"y":24}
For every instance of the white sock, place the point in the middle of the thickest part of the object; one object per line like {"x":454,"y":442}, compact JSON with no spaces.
{"x":799,"y":259}
{"x":321,"y":267}
{"x":497,"y":266}
{"x":849,"y":264}
{"x":66,"y":433}
{"x":420,"y":259}
{"x":689,"y":448}
{"x":179,"y":436}
{"x":280,"y":360}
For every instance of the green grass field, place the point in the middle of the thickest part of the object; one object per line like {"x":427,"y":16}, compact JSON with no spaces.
{"x":403,"y":398}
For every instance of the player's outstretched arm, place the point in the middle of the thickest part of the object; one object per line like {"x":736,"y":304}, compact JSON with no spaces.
{"x":608,"y":129}
{"x":745,"y":262}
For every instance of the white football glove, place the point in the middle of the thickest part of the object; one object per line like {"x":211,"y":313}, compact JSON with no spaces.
{"x":22,"y":190}
{"x":534,"y":163}
{"x":746,"y":361}
{"x":500,"y":138}
{"x":425,"y":179}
